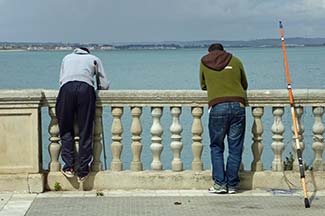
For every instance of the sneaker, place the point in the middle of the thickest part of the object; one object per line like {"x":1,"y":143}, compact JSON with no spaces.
{"x":69,"y":173}
{"x":218,"y":189}
{"x":82,"y":179}
{"x":232,"y":190}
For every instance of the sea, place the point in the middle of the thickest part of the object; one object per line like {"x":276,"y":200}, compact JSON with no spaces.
{"x":176,"y":69}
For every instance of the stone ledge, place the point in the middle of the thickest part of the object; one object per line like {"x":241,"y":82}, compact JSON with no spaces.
{"x":22,"y":183}
{"x":151,"y":180}
{"x":168,"y":180}
{"x":282,"y":180}
{"x":134,"y":180}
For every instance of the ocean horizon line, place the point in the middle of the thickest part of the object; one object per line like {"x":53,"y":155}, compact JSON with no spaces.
{"x":256,"y":43}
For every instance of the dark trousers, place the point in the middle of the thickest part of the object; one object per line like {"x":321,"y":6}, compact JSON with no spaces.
{"x":76,"y":99}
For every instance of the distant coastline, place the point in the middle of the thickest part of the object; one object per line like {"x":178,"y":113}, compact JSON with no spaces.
{"x":12,"y":50}
{"x":259,"y":43}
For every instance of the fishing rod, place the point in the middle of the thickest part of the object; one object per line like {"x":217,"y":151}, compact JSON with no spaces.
{"x":294,"y":120}
{"x":99,"y":88}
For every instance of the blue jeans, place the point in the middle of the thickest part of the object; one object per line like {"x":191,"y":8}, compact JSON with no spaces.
{"x":227,"y":119}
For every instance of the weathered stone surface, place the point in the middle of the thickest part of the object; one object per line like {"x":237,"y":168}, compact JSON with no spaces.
{"x":20,"y":131}
{"x":170,"y":180}
{"x":22,"y":183}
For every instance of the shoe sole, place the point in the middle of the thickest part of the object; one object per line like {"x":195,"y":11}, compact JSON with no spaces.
{"x":83,"y":180}
{"x":210,"y":190}
{"x":67,"y":175}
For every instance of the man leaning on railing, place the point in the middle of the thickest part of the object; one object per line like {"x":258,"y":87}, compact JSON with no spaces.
{"x":223,"y":76}
{"x":77,"y":97}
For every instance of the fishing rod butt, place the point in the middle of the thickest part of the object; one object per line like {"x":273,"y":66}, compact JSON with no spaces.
{"x":307,"y":205}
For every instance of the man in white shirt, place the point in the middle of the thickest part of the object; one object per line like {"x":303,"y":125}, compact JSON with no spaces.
{"x":77,"y":97}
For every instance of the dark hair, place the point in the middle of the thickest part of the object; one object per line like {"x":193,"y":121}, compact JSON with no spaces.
{"x":215,"y":46}
{"x":85,"y":49}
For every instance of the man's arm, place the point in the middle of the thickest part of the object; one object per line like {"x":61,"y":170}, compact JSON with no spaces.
{"x":103,"y":81}
{"x":61,"y":72}
{"x":202,"y":79}
{"x":243,"y":77}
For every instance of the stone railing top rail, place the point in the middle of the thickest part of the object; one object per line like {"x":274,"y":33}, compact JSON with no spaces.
{"x":272,"y":97}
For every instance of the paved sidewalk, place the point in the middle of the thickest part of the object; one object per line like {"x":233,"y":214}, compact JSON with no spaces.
{"x":165,"y":202}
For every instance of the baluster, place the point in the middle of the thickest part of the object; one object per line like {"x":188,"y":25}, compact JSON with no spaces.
{"x":277,"y":144}
{"x":156,"y":132}
{"x":318,"y":139}
{"x":136,"y":146}
{"x":176,"y":137}
{"x":257,"y":146}
{"x":301,"y":129}
{"x":116,"y":146}
{"x":197,"y":146}
{"x":98,"y":147}
{"x":54,"y":146}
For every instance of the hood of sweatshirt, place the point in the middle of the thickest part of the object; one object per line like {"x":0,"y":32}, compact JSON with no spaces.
{"x":80,"y":51}
{"x":216,"y":60}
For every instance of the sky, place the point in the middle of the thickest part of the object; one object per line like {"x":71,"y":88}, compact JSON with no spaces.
{"x":113,"y":21}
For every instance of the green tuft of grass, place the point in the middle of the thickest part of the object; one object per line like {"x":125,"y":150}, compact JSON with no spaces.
{"x":288,"y":162}
{"x":57,"y":186}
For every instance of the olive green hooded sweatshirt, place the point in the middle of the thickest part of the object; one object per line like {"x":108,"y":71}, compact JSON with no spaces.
{"x":223,"y":76}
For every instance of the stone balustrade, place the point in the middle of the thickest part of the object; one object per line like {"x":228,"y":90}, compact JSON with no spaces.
{"x":20,"y":130}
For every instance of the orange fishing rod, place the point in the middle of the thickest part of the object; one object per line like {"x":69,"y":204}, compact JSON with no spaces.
{"x":294,"y":121}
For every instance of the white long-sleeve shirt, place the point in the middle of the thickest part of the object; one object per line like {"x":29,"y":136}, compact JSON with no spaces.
{"x":79,"y":66}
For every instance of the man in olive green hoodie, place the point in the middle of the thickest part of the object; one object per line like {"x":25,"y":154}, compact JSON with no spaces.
{"x":223,"y":76}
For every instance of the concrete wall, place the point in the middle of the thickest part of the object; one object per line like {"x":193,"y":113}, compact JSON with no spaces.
{"x":20,"y":142}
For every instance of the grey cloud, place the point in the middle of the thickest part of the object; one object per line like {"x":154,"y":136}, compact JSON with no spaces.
{"x":157,"y":20}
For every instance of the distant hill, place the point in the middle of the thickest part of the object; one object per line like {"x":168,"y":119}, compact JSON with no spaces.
{"x":290,"y":42}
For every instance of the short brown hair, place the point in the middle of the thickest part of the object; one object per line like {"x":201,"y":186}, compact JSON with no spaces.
{"x":215,"y":46}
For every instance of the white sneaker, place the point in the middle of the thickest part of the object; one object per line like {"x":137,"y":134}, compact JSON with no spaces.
{"x":218,"y":189}
{"x":232,"y":190}
{"x":69,"y":173}
{"x":82,"y":179}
